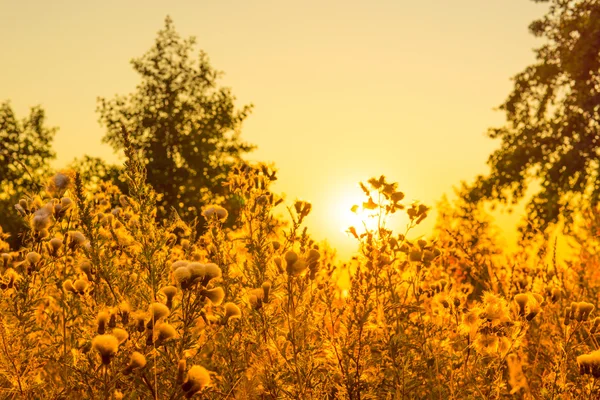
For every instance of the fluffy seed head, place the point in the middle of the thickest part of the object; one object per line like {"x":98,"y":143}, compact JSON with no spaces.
{"x":182,"y":276}
{"x":212,"y":271}
{"x":107,"y":346}
{"x":165,"y":332}
{"x":120,"y":334}
{"x":197,"y":378}
{"x":33,"y":257}
{"x":215,"y":295}
{"x":158,"y":311}
{"x":232,"y":311}
{"x":80,"y":285}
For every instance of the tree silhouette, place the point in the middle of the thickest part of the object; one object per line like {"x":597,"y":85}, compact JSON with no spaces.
{"x":552,"y":132}
{"x":185,"y":126}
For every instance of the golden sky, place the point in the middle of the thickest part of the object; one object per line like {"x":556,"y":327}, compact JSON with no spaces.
{"x":343,"y":90}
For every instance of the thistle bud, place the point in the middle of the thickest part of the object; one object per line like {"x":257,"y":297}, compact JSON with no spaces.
{"x":266,"y":286}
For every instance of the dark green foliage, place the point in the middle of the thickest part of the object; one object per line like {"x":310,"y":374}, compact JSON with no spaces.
{"x":552,"y":131}
{"x":25,"y":153}
{"x":185,"y":126}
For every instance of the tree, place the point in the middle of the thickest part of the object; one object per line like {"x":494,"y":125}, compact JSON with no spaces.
{"x":25,"y":155}
{"x":185,"y":126}
{"x":552,"y":132}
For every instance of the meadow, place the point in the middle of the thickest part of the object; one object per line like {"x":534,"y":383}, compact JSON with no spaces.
{"x":104,"y":301}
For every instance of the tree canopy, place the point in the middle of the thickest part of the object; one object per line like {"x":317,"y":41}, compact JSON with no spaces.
{"x":25,"y":155}
{"x":184,"y":124}
{"x":552,"y":132}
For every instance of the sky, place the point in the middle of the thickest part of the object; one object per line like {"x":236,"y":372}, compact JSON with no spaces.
{"x":342,"y":90}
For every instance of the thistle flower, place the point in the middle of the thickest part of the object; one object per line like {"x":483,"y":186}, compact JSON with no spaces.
{"x":197,"y":378}
{"x":182,"y":276}
{"x":157,"y":311}
{"x":60,"y":182}
{"x":215,"y":295}
{"x":55,"y":245}
{"x":169,"y":292}
{"x":266,"y":286}
{"x":211,"y":271}
{"x":107,"y":346}
{"x":76,"y":239}
{"x":166,"y":332}
{"x":197,"y":270}
{"x":178,"y":264}
{"x":232,"y":311}
{"x":80,"y":286}
{"x":216,"y":212}
{"x":583,"y":311}
{"x":124,"y":311}
{"x":120,"y":334}
{"x":41,"y":219}
{"x":101,"y":321}
{"x":140,"y":321}
{"x":137,"y":361}
{"x":68,"y":286}
{"x":33,"y":258}
{"x":589,"y":364}
{"x":290,"y":259}
{"x":521,"y":299}
{"x":298,"y":267}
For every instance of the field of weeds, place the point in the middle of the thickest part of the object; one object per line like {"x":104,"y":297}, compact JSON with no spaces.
{"x":105,"y":302}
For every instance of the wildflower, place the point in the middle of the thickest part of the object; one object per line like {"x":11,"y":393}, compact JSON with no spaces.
{"x":120,"y":334}
{"x":80,"y":286}
{"x":60,"y":182}
{"x":33,"y":257}
{"x":41,"y":218}
{"x":169,"y":292}
{"x":197,"y":378}
{"x":232,"y":311}
{"x":266,"y":286}
{"x":290,"y":259}
{"x":107,"y":346}
{"x":182,"y":276}
{"x":197,"y":271}
{"x":157,"y":311}
{"x":178,"y":264}
{"x":583,"y":311}
{"x":140,"y":321}
{"x":215,"y":295}
{"x":166,"y":332}
{"x":217,"y":212}
{"x":76,"y":239}
{"x":68,"y":286}
{"x":101,"y":321}
{"x":124,"y":310}
{"x":589,"y":364}
{"x":137,"y":361}
{"x":415,"y":255}
{"x":211,"y":271}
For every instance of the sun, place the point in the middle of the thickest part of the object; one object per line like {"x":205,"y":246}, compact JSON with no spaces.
{"x":347,"y":215}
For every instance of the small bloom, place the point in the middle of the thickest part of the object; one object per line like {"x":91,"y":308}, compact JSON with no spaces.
{"x":107,"y":346}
